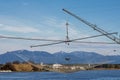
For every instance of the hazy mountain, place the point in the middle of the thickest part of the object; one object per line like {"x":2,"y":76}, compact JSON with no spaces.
{"x":75,"y":57}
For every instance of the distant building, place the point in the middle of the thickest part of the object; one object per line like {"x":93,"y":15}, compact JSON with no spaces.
{"x":41,"y":63}
{"x":55,"y":66}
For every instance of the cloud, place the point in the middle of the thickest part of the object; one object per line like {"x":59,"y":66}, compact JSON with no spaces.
{"x":18,"y":29}
{"x":49,"y":28}
{"x":57,"y":26}
{"x":1,"y":24}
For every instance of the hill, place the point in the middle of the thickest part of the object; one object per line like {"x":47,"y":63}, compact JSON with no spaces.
{"x":76,"y":57}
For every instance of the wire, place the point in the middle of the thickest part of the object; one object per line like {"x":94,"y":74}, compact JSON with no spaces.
{"x":94,"y":42}
{"x":112,"y":37}
{"x":48,"y":44}
{"x":26,"y":59}
{"x":21,"y":38}
{"x":93,"y":36}
{"x":72,"y":40}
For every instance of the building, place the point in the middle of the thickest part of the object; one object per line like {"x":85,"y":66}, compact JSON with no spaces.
{"x":56,"y":66}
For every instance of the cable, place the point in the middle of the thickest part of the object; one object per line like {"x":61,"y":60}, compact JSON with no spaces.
{"x":21,"y":38}
{"x":72,"y":40}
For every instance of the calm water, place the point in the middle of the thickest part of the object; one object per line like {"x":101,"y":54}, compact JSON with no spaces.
{"x":81,"y":75}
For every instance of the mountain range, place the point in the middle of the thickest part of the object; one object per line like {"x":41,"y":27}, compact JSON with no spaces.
{"x":76,"y":57}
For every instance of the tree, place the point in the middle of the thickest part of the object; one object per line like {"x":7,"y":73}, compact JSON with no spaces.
{"x":16,"y":62}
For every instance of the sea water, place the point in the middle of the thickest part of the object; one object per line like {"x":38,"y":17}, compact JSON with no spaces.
{"x":81,"y":75}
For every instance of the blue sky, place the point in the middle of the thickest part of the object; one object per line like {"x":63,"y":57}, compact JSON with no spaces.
{"x":45,"y":19}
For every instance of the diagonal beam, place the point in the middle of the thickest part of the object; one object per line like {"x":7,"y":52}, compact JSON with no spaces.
{"x":72,"y":40}
{"x":93,"y":26}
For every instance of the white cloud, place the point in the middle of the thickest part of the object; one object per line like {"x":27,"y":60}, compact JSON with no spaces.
{"x":57,"y":26}
{"x":19,"y":29}
{"x":51,"y":28}
{"x":1,"y":24}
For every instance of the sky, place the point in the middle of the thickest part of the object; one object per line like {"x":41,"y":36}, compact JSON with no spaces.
{"x":45,"y":19}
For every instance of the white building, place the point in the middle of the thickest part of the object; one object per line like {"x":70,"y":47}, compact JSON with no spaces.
{"x":55,"y":66}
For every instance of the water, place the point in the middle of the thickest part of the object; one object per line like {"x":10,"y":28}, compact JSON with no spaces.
{"x":81,"y":75}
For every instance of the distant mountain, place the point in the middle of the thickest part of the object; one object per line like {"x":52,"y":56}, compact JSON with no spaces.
{"x":79,"y":57}
{"x":76,"y":57}
{"x":25,"y":55}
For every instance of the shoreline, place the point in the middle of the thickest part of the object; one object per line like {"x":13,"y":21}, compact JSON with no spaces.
{"x":66,"y":68}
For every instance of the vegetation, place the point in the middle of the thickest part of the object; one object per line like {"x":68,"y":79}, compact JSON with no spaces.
{"x":112,"y":66}
{"x":20,"y":66}
{"x":31,"y":66}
